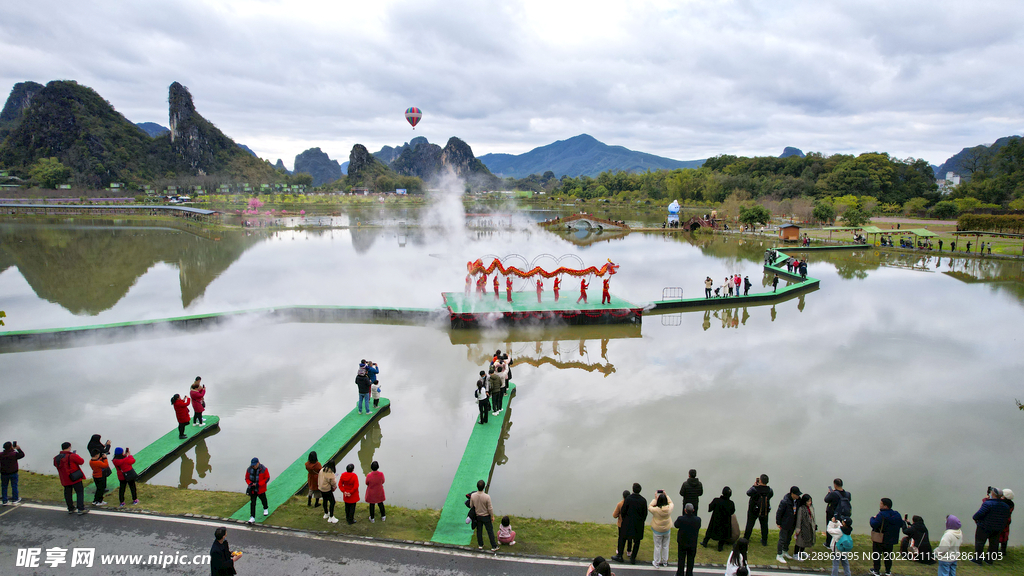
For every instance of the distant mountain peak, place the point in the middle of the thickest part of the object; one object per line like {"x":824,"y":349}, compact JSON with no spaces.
{"x":790,"y":151}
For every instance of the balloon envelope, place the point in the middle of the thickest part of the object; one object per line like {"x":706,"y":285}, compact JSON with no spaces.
{"x":413,"y":115}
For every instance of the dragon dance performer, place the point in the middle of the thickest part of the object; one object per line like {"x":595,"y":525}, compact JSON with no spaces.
{"x":540,"y":289}
{"x":558,"y":286}
{"x":469,"y":281}
{"x":481,"y":285}
{"x":583,"y":291}
{"x":497,"y":292}
{"x":508,"y":288}
{"x":605,"y":296}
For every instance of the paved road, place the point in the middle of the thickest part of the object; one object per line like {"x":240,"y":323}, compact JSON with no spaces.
{"x":265,"y":551}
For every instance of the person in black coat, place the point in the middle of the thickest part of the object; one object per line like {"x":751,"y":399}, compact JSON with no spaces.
{"x":919,"y":534}
{"x":785,"y":521}
{"x":720,"y":525}
{"x":688,"y":526}
{"x":760,"y":495}
{"x":633,"y":514}
{"x":692,"y":490}
{"x":222,"y":560}
{"x":836,"y":496}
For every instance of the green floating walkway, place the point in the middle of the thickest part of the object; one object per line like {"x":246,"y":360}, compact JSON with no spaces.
{"x":292,"y":479}
{"x":162,"y":449}
{"x":477,"y":463}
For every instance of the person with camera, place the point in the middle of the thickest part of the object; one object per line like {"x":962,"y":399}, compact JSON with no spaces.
{"x":991,"y":520}
{"x":256,"y":478}
{"x":9,"y":470}
{"x":124,"y":462}
{"x":222,"y":559}
{"x":758,"y":507}
{"x":661,"y":526}
{"x":838,"y":502}
{"x":363,"y":383}
{"x":69,"y":468}
{"x":100,"y":471}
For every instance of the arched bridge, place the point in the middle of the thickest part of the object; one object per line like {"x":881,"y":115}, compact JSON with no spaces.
{"x":584,"y":221}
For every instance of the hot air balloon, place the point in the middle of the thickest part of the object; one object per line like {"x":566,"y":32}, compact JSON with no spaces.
{"x":413,"y":115}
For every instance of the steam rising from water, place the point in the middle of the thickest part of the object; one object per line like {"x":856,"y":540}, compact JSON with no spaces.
{"x":445,"y":217}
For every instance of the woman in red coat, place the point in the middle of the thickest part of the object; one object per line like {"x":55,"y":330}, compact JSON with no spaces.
{"x":349,"y":486}
{"x":181,"y":411}
{"x":256,"y":478}
{"x":375,"y":490}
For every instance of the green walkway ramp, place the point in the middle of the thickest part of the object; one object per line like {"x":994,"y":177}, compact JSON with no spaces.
{"x":477,"y":462}
{"x":292,"y":479}
{"x":164,"y":448}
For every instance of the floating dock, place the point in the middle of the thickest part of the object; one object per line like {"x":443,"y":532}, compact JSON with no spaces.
{"x":165,"y":448}
{"x":477,"y":464}
{"x":475,"y":310}
{"x":341,"y":438}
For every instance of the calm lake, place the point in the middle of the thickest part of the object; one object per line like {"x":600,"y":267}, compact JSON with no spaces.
{"x":899,"y":374}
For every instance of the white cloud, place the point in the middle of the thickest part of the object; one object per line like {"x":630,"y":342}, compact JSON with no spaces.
{"x":681,"y":79}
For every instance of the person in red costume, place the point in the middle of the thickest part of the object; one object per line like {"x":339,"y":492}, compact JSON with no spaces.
{"x":605,"y":296}
{"x":557,"y":287}
{"x":583,"y":291}
{"x":508,"y":288}
{"x":497,"y":292}
{"x":540,"y":288}
{"x":469,"y":283}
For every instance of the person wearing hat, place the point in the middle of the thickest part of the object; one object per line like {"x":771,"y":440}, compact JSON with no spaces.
{"x":123,"y":463}
{"x":785,"y":521}
{"x":991,"y":519}
{"x":256,"y":477}
{"x":1005,"y":536}
{"x":948,"y":550}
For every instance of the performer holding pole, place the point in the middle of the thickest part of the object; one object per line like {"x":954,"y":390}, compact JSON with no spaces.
{"x":540,"y":288}
{"x":583,"y":291}
{"x":558,"y":286}
{"x":605,"y":296}
{"x":508,"y":287}
{"x":497,"y":292}
{"x":469,"y":282}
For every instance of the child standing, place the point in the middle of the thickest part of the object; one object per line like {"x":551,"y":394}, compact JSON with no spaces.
{"x":198,"y":394}
{"x":506,"y":535}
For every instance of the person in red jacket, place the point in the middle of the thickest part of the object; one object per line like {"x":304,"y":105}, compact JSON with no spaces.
{"x":557,"y":287}
{"x":181,"y":412}
{"x":348,"y":483}
{"x":198,"y":396}
{"x":375,"y":490}
{"x":68,"y":464}
{"x":126,"y":476}
{"x":256,"y":478}
{"x":583,"y":291}
{"x":508,"y":288}
{"x":605,"y":294}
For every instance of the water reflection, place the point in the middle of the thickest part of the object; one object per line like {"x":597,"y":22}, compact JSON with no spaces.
{"x":203,"y":466}
{"x":369,"y":444}
{"x":188,"y":468}
{"x":500,"y":457}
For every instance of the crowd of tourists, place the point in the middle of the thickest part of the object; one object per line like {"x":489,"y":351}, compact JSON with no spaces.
{"x":730,"y":287}
{"x":798,"y":524}
{"x":492,"y":385}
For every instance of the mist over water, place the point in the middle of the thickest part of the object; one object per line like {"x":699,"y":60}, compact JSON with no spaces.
{"x":898,"y":375}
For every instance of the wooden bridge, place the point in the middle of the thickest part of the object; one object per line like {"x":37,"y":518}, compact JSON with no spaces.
{"x":583,"y":221}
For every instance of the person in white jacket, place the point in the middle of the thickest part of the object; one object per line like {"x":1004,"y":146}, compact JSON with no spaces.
{"x":836,"y":528}
{"x":948,"y":549}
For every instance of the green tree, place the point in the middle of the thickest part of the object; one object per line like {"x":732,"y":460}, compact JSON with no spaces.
{"x":49,"y":172}
{"x":824,"y":212}
{"x":755,"y":214}
{"x":945,"y":210}
{"x":855,"y":217}
{"x":915,"y":205}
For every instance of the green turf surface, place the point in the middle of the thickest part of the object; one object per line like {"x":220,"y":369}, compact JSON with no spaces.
{"x":292,"y":479}
{"x":477,"y":461}
{"x":158,"y":450}
{"x":459,"y":303}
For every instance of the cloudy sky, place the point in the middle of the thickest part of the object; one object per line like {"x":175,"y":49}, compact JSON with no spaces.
{"x":684,"y":79}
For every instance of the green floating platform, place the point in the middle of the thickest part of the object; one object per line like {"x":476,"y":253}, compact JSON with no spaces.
{"x":526,"y":301}
{"x":162,"y":449}
{"x":293,"y":479}
{"x":477,"y":462}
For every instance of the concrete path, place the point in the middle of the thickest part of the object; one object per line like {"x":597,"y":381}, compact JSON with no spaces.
{"x":115,"y":536}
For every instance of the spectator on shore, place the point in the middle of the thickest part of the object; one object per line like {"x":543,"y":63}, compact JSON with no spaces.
{"x":126,"y":476}
{"x":661,"y":526}
{"x":617,"y":514}
{"x":806,"y":527}
{"x":991,"y":519}
{"x":9,"y":471}
{"x":840,"y":532}
{"x":363,"y":387}
{"x":100,"y":471}
{"x":181,"y":413}
{"x":759,"y":506}
{"x":197,"y":393}
{"x":222,"y":559}
{"x":68,"y":464}
{"x":948,"y":550}
{"x":480,"y":502}
{"x":597,"y":562}
{"x":256,"y":478}
{"x":375,"y":491}
{"x":97,"y":444}
{"x":838,"y":502}
{"x":917,"y":538}
{"x":313,"y":468}
{"x":634,"y":513}
{"x":327,"y":484}
{"x":720,"y":525}
{"x":889,"y":523}
{"x":688,"y":532}
{"x":348,"y":483}
{"x":692,"y":490}
{"x":785,"y":521}
{"x":506,"y":535}
{"x":737,"y":557}
{"x":1005,"y":536}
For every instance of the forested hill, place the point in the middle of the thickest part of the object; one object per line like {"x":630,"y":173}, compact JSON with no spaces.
{"x":581,"y":155}
{"x":973,"y":159}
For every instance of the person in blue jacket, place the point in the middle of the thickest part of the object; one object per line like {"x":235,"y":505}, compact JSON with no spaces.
{"x":890,"y":524}
{"x":991,"y":519}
